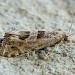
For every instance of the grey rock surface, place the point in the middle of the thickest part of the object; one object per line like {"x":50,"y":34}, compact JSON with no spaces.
{"x":19,"y":15}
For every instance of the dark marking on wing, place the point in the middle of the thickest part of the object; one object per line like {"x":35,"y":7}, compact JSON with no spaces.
{"x":24,"y":35}
{"x":1,"y":39}
{"x":7,"y":34}
{"x":40,"y":34}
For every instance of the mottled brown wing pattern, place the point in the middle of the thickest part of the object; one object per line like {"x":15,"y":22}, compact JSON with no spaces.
{"x":25,"y":41}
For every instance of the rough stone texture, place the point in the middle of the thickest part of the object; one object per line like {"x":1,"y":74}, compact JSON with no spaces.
{"x":17,"y":15}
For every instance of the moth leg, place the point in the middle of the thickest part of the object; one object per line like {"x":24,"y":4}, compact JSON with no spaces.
{"x":43,"y":53}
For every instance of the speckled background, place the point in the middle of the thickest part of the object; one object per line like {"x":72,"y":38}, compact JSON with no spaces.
{"x":19,"y":15}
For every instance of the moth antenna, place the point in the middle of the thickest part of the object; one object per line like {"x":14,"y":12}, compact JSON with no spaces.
{"x":70,"y":35}
{"x":71,"y":24}
{"x":70,"y":27}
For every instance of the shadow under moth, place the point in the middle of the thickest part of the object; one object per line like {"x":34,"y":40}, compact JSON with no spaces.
{"x":13,"y":45}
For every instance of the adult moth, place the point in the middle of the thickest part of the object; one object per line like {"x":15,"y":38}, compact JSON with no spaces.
{"x":13,"y":45}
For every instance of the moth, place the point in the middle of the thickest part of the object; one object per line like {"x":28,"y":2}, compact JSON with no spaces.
{"x":13,"y":45}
